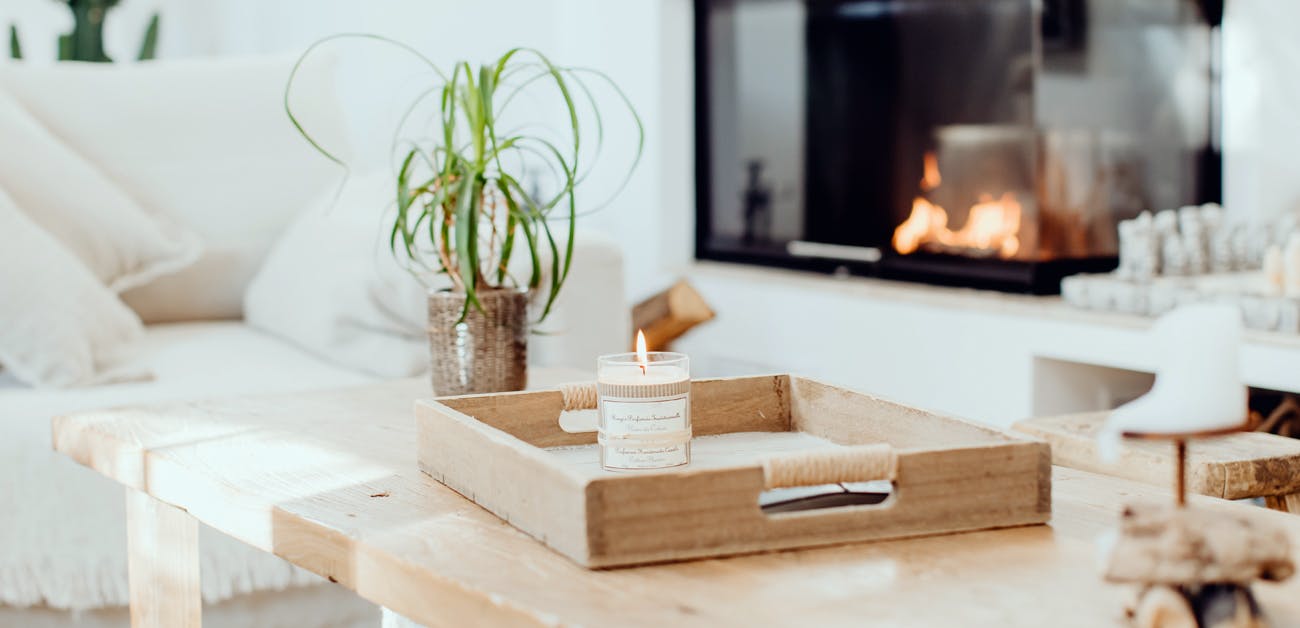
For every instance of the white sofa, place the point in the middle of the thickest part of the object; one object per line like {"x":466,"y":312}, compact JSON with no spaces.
{"x":207,"y":143}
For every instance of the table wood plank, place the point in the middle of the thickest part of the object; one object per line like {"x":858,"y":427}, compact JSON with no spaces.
{"x":1236,"y":466}
{"x":329,"y":482}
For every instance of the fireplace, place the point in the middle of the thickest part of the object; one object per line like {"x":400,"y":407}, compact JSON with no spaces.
{"x":983,"y":143}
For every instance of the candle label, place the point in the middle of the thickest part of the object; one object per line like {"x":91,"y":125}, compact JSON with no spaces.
{"x":637,"y":427}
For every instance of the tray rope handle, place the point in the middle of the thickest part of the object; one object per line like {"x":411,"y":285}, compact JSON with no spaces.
{"x":579,"y":396}
{"x":857,"y":463}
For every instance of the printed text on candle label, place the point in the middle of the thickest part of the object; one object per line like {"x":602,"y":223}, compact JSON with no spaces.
{"x":633,"y":417}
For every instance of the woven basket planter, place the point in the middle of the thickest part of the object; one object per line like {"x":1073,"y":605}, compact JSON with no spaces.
{"x":487,"y":352}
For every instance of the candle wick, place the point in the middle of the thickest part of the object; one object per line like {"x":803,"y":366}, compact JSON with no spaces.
{"x":642,"y":368}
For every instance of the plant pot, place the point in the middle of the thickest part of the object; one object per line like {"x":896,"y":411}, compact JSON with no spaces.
{"x":485,"y":353}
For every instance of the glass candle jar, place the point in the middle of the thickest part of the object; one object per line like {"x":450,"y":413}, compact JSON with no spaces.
{"x":645,"y":410}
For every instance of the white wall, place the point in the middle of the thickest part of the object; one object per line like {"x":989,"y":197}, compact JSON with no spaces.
{"x":1261,"y":126}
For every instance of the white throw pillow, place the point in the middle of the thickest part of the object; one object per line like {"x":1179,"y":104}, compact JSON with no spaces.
{"x":206,"y":141}
{"x":332,"y":286}
{"x":59,"y":326}
{"x":74,"y":202}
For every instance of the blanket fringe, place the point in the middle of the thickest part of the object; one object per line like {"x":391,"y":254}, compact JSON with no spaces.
{"x":75,"y":584}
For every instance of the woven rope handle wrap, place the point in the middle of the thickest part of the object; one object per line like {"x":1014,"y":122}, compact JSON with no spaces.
{"x":859,"y":463}
{"x":579,"y":396}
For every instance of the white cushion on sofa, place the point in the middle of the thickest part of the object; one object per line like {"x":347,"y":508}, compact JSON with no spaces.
{"x":62,"y":544}
{"x":59,"y":326}
{"x":205,"y":141}
{"x":74,"y":202}
{"x":332,"y":286}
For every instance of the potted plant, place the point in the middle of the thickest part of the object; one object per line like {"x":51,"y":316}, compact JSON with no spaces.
{"x":484,"y":190}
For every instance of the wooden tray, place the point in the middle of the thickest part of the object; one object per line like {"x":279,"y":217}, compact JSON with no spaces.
{"x":508,"y":453}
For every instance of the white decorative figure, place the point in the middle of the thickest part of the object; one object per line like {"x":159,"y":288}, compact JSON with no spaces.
{"x":1259,"y":237}
{"x":1173,"y":256}
{"x":1198,"y":385}
{"x":1291,"y":266}
{"x":1223,"y":258}
{"x":1212,"y":214}
{"x":1275,"y":274}
{"x":1196,"y":243}
{"x":1166,"y":222}
{"x":1139,"y":255}
{"x":1241,"y":246}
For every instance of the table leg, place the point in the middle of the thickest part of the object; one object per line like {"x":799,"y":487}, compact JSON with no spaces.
{"x":163,"y":561}
{"x":1285,"y":503}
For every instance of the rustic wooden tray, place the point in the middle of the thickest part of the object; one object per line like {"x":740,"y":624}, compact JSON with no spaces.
{"x":508,"y":453}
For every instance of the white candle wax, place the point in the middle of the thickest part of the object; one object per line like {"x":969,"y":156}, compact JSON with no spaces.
{"x":644,"y":414}
{"x":1198,"y":386}
{"x":632,"y":375}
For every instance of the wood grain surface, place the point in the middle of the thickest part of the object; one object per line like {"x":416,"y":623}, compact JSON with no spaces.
{"x":1235,"y":466}
{"x":329,"y":481}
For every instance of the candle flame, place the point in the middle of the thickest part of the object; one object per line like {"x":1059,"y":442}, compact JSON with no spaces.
{"x":641,"y":356}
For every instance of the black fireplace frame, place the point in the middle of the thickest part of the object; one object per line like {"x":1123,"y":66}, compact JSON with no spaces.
{"x":1015,"y":276}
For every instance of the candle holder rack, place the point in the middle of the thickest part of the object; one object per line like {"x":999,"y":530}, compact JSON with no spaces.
{"x":1195,"y":565}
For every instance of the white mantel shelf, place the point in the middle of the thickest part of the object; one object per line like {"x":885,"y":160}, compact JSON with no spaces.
{"x":973,"y":352}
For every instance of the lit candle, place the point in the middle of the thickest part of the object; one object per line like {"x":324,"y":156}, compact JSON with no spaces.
{"x":645,"y":409}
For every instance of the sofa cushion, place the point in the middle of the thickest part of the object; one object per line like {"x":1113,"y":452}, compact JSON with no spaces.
{"x":73,"y":201}
{"x":205,"y":141}
{"x":332,"y":286}
{"x":59,"y":326}
{"x":64,"y":547}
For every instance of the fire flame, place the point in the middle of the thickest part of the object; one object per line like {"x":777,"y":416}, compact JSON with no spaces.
{"x":931,"y":179}
{"x":641,"y":356}
{"x":991,"y":225}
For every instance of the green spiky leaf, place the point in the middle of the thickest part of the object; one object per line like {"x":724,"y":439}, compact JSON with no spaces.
{"x":486,"y":179}
{"x":15,"y":47}
{"x":149,"y":45}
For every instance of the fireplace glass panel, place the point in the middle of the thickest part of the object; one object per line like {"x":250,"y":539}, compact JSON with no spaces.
{"x":886,"y":133}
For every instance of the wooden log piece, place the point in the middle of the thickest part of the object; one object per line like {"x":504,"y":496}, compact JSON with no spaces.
{"x":1160,"y":544}
{"x":668,"y":315}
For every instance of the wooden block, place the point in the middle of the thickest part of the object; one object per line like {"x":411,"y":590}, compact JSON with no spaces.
{"x":1187,"y":546}
{"x":948,"y":475}
{"x":163,"y":564}
{"x":1237,"y":466}
{"x":664,"y":317}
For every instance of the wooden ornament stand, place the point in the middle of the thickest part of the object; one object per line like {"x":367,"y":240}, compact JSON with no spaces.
{"x":1180,"y":451}
{"x":1182,"y":587}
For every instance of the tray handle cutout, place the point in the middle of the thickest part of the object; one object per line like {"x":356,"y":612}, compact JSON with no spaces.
{"x":858,"y":463}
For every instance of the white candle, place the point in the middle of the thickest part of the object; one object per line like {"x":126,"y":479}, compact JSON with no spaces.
{"x":1291,"y":265}
{"x":1198,"y":386}
{"x":645,"y":420}
{"x":1275,"y":274}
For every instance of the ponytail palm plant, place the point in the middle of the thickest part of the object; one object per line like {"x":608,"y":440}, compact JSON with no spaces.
{"x":497,"y":170}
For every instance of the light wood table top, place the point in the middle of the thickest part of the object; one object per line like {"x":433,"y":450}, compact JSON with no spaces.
{"x":329,"y":481}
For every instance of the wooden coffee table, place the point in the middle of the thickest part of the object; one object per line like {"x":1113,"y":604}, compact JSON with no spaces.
{"x":328,"y":481}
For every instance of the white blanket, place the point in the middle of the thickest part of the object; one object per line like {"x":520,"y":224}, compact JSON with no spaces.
{"x":62,"y":530}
